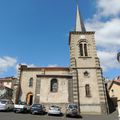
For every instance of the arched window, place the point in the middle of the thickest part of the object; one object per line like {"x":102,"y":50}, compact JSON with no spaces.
{"x":81,"y":49}
{"x":30,"y":82}
{"x":87,"y":90}
{"x":54,"y":85}
{"x":85,"y":50}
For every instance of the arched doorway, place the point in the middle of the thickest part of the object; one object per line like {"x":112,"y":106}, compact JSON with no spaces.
{"x":29,"y":98}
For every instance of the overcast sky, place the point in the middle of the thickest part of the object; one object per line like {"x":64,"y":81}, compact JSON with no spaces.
{"x":35,"y":32}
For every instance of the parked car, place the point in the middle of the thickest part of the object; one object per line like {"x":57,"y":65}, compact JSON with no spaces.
{"x":72,"y":110}
{"x":54,"y":110}
{"x":6,"y":105}
{"x":37,"y":109}
{"x":21,"y":107}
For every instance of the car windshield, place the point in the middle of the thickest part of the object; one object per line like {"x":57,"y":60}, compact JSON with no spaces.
{"x":55,"y":106}
{"x":22,"y":103}
{"x":72,"y":106}
{"x":3,"y":102}
{"x":37,"y":105}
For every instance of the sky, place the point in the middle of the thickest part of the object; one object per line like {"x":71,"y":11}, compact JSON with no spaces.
{"x":36,"y":32}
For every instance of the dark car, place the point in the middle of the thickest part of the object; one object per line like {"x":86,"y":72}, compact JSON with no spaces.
{"x":37,"y":109}
{"x":72,"y":110}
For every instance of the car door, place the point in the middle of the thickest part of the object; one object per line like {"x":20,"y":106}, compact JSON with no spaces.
{"x":10,"y":105}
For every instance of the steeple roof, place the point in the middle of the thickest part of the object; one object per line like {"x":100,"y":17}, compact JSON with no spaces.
{"x":79,"y":23}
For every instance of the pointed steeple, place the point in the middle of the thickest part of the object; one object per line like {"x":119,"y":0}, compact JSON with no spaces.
{"x":79,"y":23}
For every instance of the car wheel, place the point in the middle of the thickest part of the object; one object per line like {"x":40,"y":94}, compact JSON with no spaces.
{"x":67,"y":115}
{"x":25,"y":111}
{"x":33,"y":113}
{"x":42,"y":113}
{"x":16,"y":111}
{"x":8,"y":109}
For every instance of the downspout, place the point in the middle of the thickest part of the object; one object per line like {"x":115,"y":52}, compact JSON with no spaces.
{"x":77,"y":86}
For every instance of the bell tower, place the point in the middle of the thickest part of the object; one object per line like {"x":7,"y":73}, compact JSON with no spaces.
{"x":88,"y":88}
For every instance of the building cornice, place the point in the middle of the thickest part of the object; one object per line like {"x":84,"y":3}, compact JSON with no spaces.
{"x":79,"y":33}
{"x":86,"y":68}
{"x":60,"y":76}
{"x":8,"y":79}
{"x":43,"y":68}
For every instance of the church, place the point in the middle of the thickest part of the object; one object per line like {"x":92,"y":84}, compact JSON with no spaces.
{"x":81,"y":83}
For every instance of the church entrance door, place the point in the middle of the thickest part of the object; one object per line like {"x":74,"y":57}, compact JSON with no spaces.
{"x":29,"y":98}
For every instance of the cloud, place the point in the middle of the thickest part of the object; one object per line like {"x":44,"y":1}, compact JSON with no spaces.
{"x":105,"y":22}
{"x":54,"y":65}
{"x":6,"y":62}
{"x":107,"y":33}
{"x":108,"y":60}
{"x":108,"y":7}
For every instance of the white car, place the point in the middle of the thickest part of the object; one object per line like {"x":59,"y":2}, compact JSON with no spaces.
{"x":54,"y":110}
{"x":6,"y":105}
{"x":21,"y":107}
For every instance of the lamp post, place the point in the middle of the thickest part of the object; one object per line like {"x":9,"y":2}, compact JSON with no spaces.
{"x":118,"y":57}
{"x":118,"y":101}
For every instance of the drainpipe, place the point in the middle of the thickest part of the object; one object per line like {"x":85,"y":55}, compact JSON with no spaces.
{"x":77,"y":86}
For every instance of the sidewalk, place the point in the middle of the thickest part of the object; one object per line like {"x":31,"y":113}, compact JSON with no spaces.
{"x":112,"y":116}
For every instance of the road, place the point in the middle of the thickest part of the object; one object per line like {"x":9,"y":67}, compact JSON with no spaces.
{"x":14,"y":116}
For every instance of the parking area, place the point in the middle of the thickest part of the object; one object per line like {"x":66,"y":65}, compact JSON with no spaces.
{"x":19,"y":116}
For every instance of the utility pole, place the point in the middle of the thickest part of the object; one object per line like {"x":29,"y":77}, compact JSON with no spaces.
{"x":118,"y":101}
{"x":118,"y":57}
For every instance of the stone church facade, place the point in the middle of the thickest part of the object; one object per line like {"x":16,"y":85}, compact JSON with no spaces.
{"x":81,"y":83}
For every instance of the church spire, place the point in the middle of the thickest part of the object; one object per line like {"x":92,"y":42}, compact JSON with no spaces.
{"x":79,"y":23}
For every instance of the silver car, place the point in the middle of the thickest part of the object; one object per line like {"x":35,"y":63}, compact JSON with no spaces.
{"x":72,"y":110}
{"x":6,"y":105}
{"x":54,"y":110}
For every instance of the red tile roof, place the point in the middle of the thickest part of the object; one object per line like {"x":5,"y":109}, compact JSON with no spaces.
{"x":7,"y":79}
{"x":117,"y":79}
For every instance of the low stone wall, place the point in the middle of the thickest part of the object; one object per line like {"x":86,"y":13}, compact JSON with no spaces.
{"x":63,"y":106}
{"x":84,"y":108}
{"x":90,"y":109}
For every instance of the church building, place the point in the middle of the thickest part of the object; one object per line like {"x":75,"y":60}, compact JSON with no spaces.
{"x":81,"y":83}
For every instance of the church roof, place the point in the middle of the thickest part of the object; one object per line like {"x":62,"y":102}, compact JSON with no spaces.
{"x":8,"y":79}
{"x":79,"y":26}
{"x":79,"y":22}
{"x":25,"y":67}
{"x":115,"y":81}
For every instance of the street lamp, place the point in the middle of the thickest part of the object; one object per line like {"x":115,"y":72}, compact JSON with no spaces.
{"x":118,"y":57}
{"x":118,"y":101}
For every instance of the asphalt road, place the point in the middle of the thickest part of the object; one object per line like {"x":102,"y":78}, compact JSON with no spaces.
{"x":19,"y":116}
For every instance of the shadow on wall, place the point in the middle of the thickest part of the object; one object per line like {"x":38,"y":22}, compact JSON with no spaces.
{"x":112,"y":102}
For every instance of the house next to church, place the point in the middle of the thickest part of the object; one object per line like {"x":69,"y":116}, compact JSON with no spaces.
{"x":81,"y":83}
{"x":9,"y":88}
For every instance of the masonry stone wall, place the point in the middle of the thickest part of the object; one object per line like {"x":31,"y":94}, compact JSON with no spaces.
{"x":41,"y":86}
